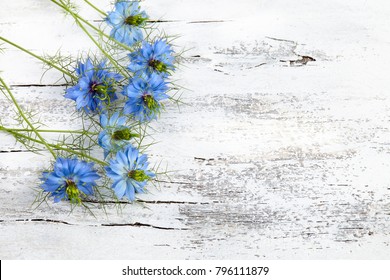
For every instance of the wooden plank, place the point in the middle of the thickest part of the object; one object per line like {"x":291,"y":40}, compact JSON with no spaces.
{"x":240,"y":38}
{"x":273,"y":161}
{"x":69,"y":242}
{"x":315,"y":181}
{"x":319,"y":210}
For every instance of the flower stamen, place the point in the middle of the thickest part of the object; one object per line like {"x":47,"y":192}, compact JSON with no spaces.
{"x":124,"y":134}
{"x":136,"y":20}
{"x":138,"y":175}
{"x":99,"y":88}
{"x":72,"y":191}
{"x":157,"y":65}
{"x":150,"y":102}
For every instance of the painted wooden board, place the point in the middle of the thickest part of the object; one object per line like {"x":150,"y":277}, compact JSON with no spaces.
{"x":273,"y":161}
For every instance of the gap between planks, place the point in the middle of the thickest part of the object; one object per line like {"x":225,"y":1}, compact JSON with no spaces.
{"x":136,"y":224}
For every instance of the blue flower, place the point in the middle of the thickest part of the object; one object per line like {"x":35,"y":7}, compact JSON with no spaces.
{"x":129,"y":171}
{"x":127,"y":22}
{"x":95,"y":87}
{"x":115,"y":135}
{"x":152,"y":58}
{"x":144,"y":95}
{"x":70,"y":179}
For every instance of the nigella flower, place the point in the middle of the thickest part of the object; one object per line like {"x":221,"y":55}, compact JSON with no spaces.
{"x":152,"y":58}
{"x":115,"y":135}
{"x":70,"y":179}
{"x":95,"y":86}
{"x":127,"y":21}
{"x":144,"y":95}
{"x":129,"y":171}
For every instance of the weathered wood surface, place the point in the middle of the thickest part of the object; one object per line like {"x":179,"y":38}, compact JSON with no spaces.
{"x":273,"y":161}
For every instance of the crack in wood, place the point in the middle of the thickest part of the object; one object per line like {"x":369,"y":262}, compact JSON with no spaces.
{"x":204,"y":159}
{"x":173,"y":202}
{"x":161,"y":21}
{"x":38,"y":85}
{"x":258,"y":65}
{"x":148,"y":21}
{"x":173,"y":182}
{"x":168,"y":21}
{"x":29,"y":151}
{"x":346,"y":240}
{"x":36,"y":220}
{"x":147,"y":201}
{"x":280,"y":40}
{"x":14,"y":151}
{"x":207,"y":21}
{"x":25,"y":151}
{"x":137,"y":224}
{"x":299,"y":62}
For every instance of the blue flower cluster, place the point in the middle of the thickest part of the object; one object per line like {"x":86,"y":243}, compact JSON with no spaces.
{"x":153,"y":58}
{"x":152,"y":64}
{"x":127,"y":21}
{"x":129,"y":171}
{"x":145,"y":94}
{"x":143,"y":88}
{"x":70,"y":179}
{"x":115,"y":134}
{"x":96,"y":86}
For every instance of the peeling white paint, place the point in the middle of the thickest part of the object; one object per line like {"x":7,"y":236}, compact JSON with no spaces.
{"x":273,"y":161}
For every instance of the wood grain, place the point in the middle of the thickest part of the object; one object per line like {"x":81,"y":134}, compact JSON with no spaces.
{"x":272,"y":161}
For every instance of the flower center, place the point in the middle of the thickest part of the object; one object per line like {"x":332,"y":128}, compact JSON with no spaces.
{"x":150,"y":102}
{"x":137,"y":175}
{"x":72,"y":191}
{"x":157,"y":65}
{"x":135,"y":20}
{"x":99,"y":88}
{"x":123,"y":134}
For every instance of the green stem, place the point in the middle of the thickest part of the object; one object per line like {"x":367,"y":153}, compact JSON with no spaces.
{"x":96,"y":8}
{"x":26,"y":119}
{"x":56,"y":146}
{"x":95,"y":28}
{"x":39,"y":58}
{"x":49,"y":130}
{"x":114,"y":63}
{"x":79,"y":153}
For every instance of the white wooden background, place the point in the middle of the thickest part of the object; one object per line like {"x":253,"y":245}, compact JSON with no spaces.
{"x":274,"y":162}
